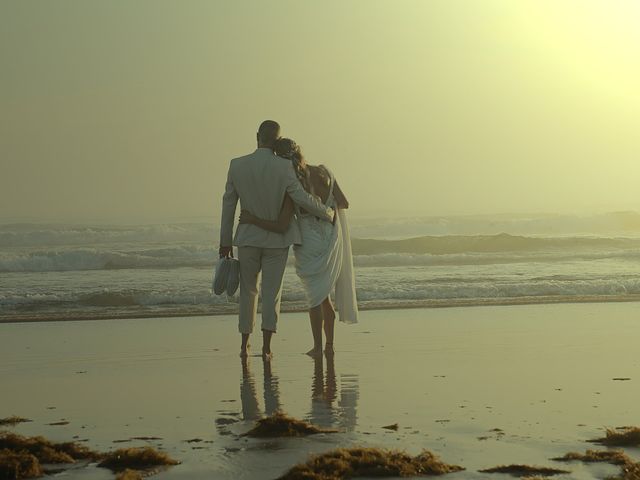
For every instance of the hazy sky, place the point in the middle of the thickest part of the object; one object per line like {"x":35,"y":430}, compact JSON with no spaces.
{"x":127,"y":110}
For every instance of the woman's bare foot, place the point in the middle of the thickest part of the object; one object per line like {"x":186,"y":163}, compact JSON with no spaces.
{"x":315,"y":352}
{"x":328,"y":349}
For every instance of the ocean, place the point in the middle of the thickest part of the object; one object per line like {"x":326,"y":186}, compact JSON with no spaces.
{"x":61,"y":271}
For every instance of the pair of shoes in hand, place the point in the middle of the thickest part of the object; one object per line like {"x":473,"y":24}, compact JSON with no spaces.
{"x":226,"y":277}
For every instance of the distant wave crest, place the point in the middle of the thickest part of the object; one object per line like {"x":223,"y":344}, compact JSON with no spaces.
{"x":452,"y":244}
{"x":98,"y":259}
{"x":28,"y":235}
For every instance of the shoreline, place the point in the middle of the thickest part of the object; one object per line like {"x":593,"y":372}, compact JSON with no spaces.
{"x":231,"y":308}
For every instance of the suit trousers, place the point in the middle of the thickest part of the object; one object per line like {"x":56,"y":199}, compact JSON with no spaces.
{"x":271,"y":262}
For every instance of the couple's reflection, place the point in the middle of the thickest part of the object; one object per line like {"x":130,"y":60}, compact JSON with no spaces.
{"x":333,"y":403}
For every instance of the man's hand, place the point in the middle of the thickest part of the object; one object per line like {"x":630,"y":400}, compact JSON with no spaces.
{"x":334,"y":216}
{"x":226,"y":252}
{"x":246,"y":217}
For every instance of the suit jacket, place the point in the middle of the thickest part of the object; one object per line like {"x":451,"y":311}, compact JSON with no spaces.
{"x":260,"y":180}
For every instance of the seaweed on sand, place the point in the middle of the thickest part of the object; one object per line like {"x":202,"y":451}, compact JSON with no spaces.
{"x":129,"y":474}
{"x":614,"y":457}
{"x":78,"y":451}
{"x":621,"y":437}
{"x":17,"y":465}
{"x":281,"y":425}
{"x":46,"y":451}
{"x":524,"y":470}
{"x":630,"y":470}
{"x":12,"y":421}
{"x":23,"y":457}
{"x":143,"y":458}
{"x":346,"y":463}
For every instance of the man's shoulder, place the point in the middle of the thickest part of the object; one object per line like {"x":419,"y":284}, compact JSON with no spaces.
{"x":276,"y":165}
{"x":259,"y":154}
{"x":241,"y":159}
{"x":282,"y":162}
{"x":239,"y":164}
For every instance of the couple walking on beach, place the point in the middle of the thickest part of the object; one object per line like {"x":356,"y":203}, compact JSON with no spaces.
{"x":285,"y":201}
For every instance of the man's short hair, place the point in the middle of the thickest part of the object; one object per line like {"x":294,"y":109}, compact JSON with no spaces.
{"x":268,"y":132}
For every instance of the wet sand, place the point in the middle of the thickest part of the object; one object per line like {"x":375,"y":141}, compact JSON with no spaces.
{"x":231,"y":307}
{"x":450,"y":378}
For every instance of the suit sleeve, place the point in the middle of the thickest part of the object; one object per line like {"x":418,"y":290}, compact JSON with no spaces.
{"x":304,"y":199}
{"x":229,"y":203}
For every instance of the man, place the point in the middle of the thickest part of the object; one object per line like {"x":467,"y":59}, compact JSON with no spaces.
{"x":260,"y":180}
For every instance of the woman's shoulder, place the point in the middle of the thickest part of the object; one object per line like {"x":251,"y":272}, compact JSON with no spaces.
{"x":319,"y":170}
{"x":319,"y":176}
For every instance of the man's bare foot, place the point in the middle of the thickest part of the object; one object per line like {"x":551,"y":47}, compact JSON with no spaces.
{"x":328,"y":349}
{"x":267,"y":355}
{"x":315,"y":352}
{"x":244,"y":346}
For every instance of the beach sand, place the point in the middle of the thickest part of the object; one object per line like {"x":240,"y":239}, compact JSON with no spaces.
{"x":542,"y":374}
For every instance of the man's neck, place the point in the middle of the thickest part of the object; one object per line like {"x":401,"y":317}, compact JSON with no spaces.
{"x":264,"y":147}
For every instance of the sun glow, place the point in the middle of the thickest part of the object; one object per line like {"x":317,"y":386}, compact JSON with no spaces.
{"x":594,"y":43}
{"x":478,"y":106}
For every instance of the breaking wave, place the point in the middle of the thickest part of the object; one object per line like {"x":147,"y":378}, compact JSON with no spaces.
{"x":378,"y":287}
{"x":381,"y":253}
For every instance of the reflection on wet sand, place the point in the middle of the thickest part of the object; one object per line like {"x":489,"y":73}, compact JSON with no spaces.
{"x":249,"y":396}
{"x":333,"y":404}
{"x":324,"y":392}
{"x":271,"y":391}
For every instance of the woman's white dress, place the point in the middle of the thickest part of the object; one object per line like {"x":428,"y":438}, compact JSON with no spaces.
{"x":324,"y":260}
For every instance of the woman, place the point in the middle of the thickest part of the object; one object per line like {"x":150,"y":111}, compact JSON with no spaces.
{"x":323,"y":261}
